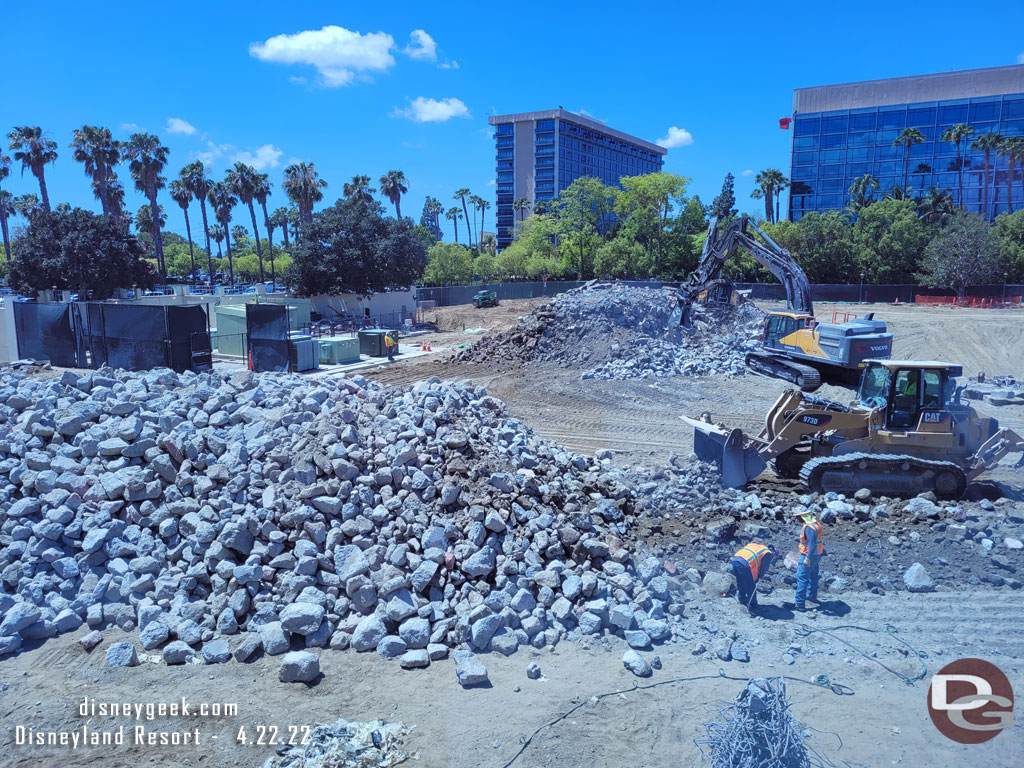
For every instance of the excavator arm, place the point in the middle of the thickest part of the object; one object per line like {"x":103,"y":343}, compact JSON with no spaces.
{"x":719,"y":248}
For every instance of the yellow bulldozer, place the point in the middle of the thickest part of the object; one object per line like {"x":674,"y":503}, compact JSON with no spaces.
{"x":908,"y":432}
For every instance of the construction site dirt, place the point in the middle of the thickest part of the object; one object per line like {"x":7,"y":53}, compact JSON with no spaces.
{"x":972,"y":608}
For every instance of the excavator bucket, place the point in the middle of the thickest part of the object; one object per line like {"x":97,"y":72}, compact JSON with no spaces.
{"x":725,"y":447}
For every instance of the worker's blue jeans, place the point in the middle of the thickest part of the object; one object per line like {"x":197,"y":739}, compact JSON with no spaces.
{"x":806,"y":580}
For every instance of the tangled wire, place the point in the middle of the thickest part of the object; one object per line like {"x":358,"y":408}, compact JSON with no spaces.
{"x":757,"y":731}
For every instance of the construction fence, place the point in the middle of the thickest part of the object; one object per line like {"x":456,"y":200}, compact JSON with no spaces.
{"x":882,"y":294}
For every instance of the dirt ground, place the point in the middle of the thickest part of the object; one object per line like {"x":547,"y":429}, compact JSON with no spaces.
{"x":885,"y":721}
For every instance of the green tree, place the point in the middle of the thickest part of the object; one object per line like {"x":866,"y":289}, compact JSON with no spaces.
{"x":223,"y":201}
{"x":862,"y":192}
{"x":825,"y":247}
{"x":987,"y":143}
{"x":99,"y":152}
{"x":26,"y":205}
{"x":432,"y":209}
{"x":453,"y":215}
{"x":483,"y":205}
{"x":279,"y":219}
{"x":218,"y":237}
{"x":303,"y":186}
{"x":77,"y":250}
{"x":963,"y":253}
{"x":692,"y":218}
{"x":261,"y":191}
{"x":770,"y":183}
{"x":620,"y":257}
{"x":147,"y":158}
{"x":1008,"y":231}
{"x":182,"y":195}
{"x":724,"y":205}
{"x":393,"y":185}
{"x":644,"y":205}
{"x":448,"y":264}
{"x":889,"y":239}
{"x":359,"y":189}
{"x":581,"y":206}
{"x":907,"y":138}
{"x":34,"y":151}
{"x":521,"y":206}
{"x":957,"y":134}
{"x":351,"y":247}
{"x":485,"y":267}
{"x":197,"y":181}
{"x":475,"y":201}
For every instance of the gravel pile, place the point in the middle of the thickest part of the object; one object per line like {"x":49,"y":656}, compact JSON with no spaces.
{"x":623,"y":332}
{"x":221,"y":515}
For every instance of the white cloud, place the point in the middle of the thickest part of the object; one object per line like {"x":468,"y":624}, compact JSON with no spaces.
{"x":213,"y":152}
{"x":747,"y":172}
{"x":129,"y":127}
{"x":267,"y":156}
{"x":449,"y":64}
{"x":421,"y":46}
{"x":676,"y":137}
{"x":297,"y":79}
{"x":491,"y":183}
{"x":424,"y":110}
{"x":177,"y":125}
{"x":337,"y":53}
{"x":1020,"y":58}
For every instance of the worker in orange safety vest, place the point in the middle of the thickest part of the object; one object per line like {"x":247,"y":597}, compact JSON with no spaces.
{"x":749,"y":565}
{"x":811,"y":549}
{"x":391,"y":345}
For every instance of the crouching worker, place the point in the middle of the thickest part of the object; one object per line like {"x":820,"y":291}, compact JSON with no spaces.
{"x":749,"y":565}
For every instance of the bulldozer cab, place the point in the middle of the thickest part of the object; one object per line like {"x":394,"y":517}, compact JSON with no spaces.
{"x":913,"y":394}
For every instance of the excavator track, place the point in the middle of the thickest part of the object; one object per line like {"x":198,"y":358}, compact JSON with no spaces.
{"x":777,"y":367}
{"x":883,"y":474}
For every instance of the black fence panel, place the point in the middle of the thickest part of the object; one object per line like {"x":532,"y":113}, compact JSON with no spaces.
{"x":185,"y":327}
{"x":44,"y":332}
{"x":136,"y":336}
{"x":267,"y":336}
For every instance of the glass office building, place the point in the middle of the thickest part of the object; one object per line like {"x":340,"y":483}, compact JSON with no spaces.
{"x":539,"y":154}
{"x":841,"y":132}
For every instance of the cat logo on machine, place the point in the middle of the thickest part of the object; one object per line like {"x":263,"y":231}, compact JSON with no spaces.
{"x":816,"y":421}
{"x":934,"y":417}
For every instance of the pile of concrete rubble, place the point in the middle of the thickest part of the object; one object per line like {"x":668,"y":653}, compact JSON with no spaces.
{"x":222,"y":515}
{"x":622,"y":332}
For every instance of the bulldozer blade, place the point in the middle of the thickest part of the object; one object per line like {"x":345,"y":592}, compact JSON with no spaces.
{"x":739,"y":464}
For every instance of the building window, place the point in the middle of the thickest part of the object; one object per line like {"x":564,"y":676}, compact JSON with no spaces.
{"x":505,"y":129}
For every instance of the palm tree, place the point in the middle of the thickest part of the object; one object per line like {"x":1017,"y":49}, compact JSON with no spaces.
{"x":182,"y":195}
{"x":222,"y":200}
{"x":6,"y":204}
{"x":779,"y":183}
{"x":987,"y":142}
{"x":294,"y":219}
{"x":302,"y":184}
{"x":144,"y":222}
{"x":907,"y":138}
{"x":243,"y":182}
{"x":198,"y":183}
{"x":26,"y":205}
{"x":862,"y":192}
{"x":483,"y":205}
{"x":453,"y":215}
{"x":461,"y":194}
{"x":218,"y":238}
{"x":99,"y":152}
{"x":522,"y":205}
{"x":393,"y":185}
{"x":436,"y":209}
{"x":1012,"y":149}
{"x":359,"y":189}
{"x":34,"y":151}
{"x":475,"y":201}
{"x":956,"y":135}
{"x":6,"y":211}
{"x":261,"y":192}
{"x":147,"y":158}
{"x":936,"y":207}
{"x":758,"y":193}
{"x":279,"y":218}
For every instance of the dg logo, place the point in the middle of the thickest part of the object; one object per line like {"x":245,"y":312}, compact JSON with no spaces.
{"x":970,"y":701}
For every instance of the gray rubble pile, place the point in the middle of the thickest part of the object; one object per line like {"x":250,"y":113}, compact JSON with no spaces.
{"x":623,"y":332}
{"x":284,"y":514}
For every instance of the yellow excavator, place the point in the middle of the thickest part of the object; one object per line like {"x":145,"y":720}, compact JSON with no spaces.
{"x":795,"y":346}
{"x":909,"y":431}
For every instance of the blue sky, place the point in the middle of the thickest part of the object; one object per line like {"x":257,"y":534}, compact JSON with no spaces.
{"x":227,"y":80}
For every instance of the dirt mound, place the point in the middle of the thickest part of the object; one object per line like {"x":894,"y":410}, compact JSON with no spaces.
{"x":622,"y":332}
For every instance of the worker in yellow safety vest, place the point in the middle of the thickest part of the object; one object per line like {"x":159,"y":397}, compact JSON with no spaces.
{"x":390,"y":344}
{"x":811,"y":549}
{"x":749,"y":566}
